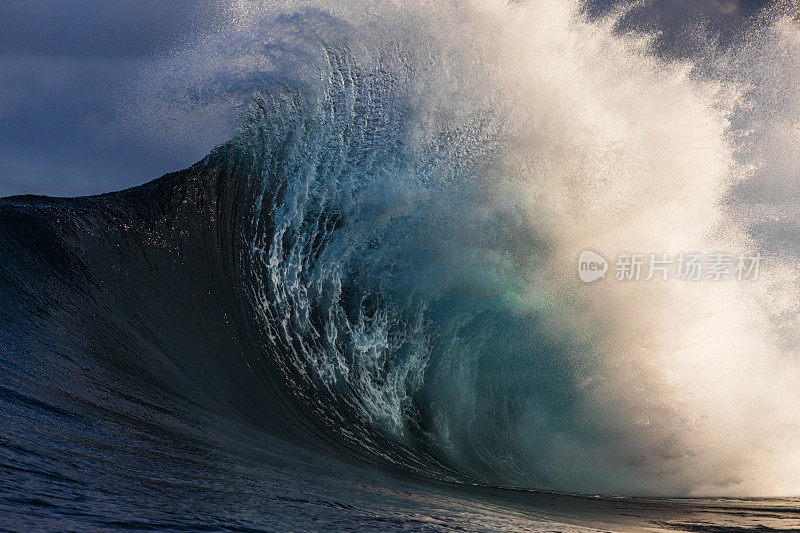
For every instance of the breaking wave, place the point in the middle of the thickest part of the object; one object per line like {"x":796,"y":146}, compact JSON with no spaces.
{"x":381,"y":263}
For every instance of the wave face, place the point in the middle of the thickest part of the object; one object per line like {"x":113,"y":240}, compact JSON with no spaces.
{"x":380,"y":263}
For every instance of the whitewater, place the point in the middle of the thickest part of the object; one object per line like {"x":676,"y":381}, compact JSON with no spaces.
{"x":364,"y":310}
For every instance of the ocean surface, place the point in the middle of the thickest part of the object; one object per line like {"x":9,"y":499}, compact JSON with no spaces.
{"x":136,"y":395}
{"x":363,"y":312}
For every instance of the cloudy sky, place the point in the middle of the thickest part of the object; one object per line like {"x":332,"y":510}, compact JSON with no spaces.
{"x":72,"y":74}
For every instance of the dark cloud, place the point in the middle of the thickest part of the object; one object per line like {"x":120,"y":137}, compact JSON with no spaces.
{"x":678,"y":21}
{"x":66,"y":71}
{"x":87,"y":28}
